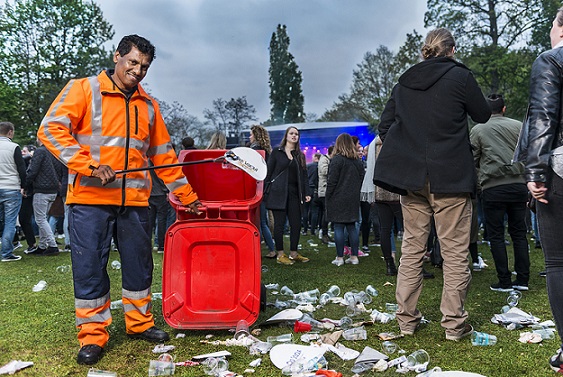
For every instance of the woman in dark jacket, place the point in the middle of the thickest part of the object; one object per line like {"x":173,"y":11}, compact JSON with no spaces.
{"x":345,"y":177}
{"x":285,"y":188}
{"x":426,"y":156}
{"x":541,"y":149}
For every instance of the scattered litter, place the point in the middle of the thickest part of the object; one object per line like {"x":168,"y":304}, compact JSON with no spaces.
{"x":41,"y":285}
{"x":187,"y":363}
{"x":309,"y":308}
{"x":389,"y":336}
{"x":161,"y":348}
{"x":15,"y":365}
{"x":255,"y":363}
{"x":331,"y":338}
{"x":530,"y":337}
{"x":180,"y":335}
{"x":343,"y":352}
{"x":209,"y":336}
{"x":514,"y":315}
{"x":381,"y":366}
{"x":249,"y":370}
{"x":212,"y":354}
{"x":100,"y":373}
{"x":256,"y":332}
{"x":388,"y":283}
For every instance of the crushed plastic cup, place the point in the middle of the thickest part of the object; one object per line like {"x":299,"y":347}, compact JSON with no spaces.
{"x":264,"y":268}
{"x":41,"y":285}
{"x":117,"y":304}
{"x":161,"y":367}
{"x":303,"y":365}
{"x":345,"y":323}
{"x":260,"y":347}
{"x":389,"y":347}
{"x":299,"y":326}
{"x":483,"y":339}
{"x":325,"y":297}
{"x":355,"y":333}
{"x":352,"y":311}
{"x":333,"y":291}
{"x":272,"y":286}
{"x":360,"y":368}
{"x":380,"y":317}
{"x":63,"y":269}
{"x":116,"y":265}
{"x":418,"y":359}
{"x":370,"y":290}
{"x":242,"y":329}
{"x":391,"y":307}
{"x":279,"y":339}
{"x":286,"y":291}
{"x":214,"y":366}
{"x":545,"y":333}
{"x":166,"y":357}
{"x":513,"y":298}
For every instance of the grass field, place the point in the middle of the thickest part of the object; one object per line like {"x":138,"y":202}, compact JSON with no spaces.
{"x":39,"y":327}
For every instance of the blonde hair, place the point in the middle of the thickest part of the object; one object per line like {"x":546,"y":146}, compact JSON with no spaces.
{"x":261,"y":137}
{"x":345,"y":146}
{"x":218,"y":141}
{"x":439,"y":42}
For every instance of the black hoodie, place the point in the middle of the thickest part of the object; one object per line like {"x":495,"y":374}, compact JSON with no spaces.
{"x":425,"y":132}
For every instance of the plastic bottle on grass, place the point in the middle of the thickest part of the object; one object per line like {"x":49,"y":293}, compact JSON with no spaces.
{"x":483,"y":339}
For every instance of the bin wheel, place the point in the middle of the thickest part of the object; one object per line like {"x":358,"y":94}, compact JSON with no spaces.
{"x":262,"y":297}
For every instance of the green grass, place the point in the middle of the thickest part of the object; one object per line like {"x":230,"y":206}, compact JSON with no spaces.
{"x":39,"y":327}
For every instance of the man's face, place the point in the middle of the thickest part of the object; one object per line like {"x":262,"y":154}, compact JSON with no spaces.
{"x":130,"y":69}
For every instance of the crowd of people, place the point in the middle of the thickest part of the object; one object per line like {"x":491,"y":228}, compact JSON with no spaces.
{"x":424,"y":176}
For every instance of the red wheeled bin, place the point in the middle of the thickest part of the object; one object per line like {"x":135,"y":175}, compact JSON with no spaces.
{"x":211,"y":272}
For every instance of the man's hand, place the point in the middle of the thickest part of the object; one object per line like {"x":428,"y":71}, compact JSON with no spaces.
{"x":307,"y":198}
{"x":538,"y":190}
{"x":105,"y":173}
{"x":193,"y":207}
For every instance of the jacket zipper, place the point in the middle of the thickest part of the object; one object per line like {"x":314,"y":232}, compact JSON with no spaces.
{"x":127,"y":136}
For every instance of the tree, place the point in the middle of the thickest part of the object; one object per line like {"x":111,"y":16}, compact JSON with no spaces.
{"x":181,"y":124}
{"x":45,"y":43}
{"x":230,"y":116}
{"x":494,"y":34}
{"x":286,"y":95}
{"x":373,"y":81}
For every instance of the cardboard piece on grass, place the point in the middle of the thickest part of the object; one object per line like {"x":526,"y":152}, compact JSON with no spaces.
{"x":286,"y":354}
{"x":285,"y":315}
{"x":248,"y":160}
{"x":213,"y":354}
{"x":369,"y":355}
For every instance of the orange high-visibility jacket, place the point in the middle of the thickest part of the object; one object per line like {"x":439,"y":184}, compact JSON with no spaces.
{"x":92,"y":123}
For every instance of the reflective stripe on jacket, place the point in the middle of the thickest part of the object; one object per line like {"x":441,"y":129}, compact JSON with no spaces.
{"x":92,"y":123}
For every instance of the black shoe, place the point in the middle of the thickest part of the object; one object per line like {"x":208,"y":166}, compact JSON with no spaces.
{"x":51,"y":250}
{"x":498,"y":287}
{"x":537,"y":245}
{"x":89,"y":354}
{"x":31,"y":250}
{"x":519,"y":285}
{"x":153,"y":334}
{"x":427,"y":275}
{"x":543,"y":273}
{"x":37,"y":251}
{"x":391,"y":268}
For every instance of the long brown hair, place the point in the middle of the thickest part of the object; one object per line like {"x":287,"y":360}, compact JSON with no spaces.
{"x":261,"y":137}
{"x":345,"y":146}
{"x":300,"y":156}
{"x":439,"y":42}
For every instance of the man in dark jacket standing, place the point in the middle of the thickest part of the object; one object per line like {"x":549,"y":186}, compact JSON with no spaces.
{"x":426,"y":156}
{"x":45,"y":172}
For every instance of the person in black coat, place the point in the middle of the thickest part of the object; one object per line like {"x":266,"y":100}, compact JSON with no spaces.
{"x":285,"y":192}
{"x":345,"y":176}
{"x":426,"y":156}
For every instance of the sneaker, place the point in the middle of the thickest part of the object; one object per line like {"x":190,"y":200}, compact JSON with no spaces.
{"x":38,"y":251}
{"x":476,"y":267}
{"x":51,"y":250}
{"x":365,"y":249}
{"x":31,"y":249}
{"x":67,"y":248}
{"x":467,"y":331}
{"x":299,"y":258}
{"x":520,"y":286}
{"x":498,"y":287}
{"x":11,"y":258}
{"x":338,"y":262}
{"x":283,"y":259}
{"x":17,"y":245}
{"x":347,"y":250}
{"x":543,"y":273}
{"x":352,"y":261}
{"x":556,"y":362}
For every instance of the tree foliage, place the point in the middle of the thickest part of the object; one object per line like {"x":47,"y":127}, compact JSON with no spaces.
{"x":286,"y":95}
{"x":230,"y":116}
{"x":373,"y":81}
{"x":44,"y":43}
{"x":498,"y":40}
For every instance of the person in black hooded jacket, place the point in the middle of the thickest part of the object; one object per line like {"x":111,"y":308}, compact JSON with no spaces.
{"x":426,"y":157}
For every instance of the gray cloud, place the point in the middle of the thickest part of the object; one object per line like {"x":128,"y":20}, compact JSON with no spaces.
{"x":208,"y":49}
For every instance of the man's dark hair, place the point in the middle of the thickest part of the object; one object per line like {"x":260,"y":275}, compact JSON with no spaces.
{"x":142,"y":44}
{"x":187,"y":142}
{"x":6,"y":127}
{"x":496,"y":102}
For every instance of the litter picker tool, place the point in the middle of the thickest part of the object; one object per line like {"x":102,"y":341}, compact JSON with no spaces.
{"x":246,"y":159}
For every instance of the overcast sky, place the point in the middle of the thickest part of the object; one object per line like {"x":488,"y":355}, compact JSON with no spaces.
{"x":208,"y":49}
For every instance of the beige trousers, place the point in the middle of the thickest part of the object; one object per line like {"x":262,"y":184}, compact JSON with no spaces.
{"x":452,"y":215}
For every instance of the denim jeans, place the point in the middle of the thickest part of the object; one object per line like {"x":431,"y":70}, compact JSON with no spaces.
{"x":10,"y":203}
{"x":265,"y":229}
{"x":340,"y":238}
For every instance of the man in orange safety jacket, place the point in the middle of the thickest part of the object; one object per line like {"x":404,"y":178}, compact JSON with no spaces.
{"x":95,"y":126}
